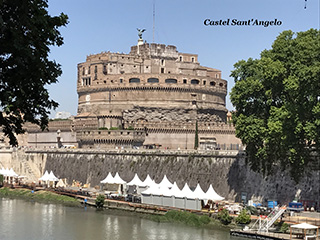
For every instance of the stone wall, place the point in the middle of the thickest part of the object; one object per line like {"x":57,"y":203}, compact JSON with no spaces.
{"x":226,"y":171}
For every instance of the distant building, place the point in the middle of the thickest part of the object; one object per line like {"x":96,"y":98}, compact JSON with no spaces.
{"x":62,"y":115}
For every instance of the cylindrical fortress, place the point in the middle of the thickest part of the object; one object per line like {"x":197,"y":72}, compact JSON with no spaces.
{"x":152,"y":86}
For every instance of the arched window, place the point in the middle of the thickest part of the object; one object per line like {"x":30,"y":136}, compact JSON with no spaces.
{"x":195,"y":81}
{"x":134,"y":80}
{"x":212,"y":83}
{"x":153,"y":80}
{"x":171,"y":80}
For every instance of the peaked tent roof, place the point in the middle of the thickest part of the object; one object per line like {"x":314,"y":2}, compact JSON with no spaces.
{"x":12,"y":173}
{"x":165,"y":182}
{"x":109,"y":179}
{"x":212,"y":195}
{"x":118,"y":180}
{"x":45,"y":176}
{"x":148,"y":181}
{"x":187,"y":192}
{"x":199,"y":193}
{"x":136,"y":181}
{"x":52,"y":177}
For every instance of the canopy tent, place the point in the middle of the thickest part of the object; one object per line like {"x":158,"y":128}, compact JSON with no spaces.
{"x":49,"y":178}
{"x":199,"y":193}
{"x":165,"y":182}
{"x":9,"y":175}
{"x":305,"y":228}
{"x":118,"y":179}
{"x":45,"y":176}
{"x":212,"y":195}
{"x":109,"y":179}
{"x":148,"y":181}
{"x":113,"y":184}
{"x":52,"y":177}
{"x":136,"y":181}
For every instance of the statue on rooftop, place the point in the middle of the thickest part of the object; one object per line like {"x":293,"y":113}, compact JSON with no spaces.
{"x":140,"y":31}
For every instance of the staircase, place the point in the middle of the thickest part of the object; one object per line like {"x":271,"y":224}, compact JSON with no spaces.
{"x":266,"y":223}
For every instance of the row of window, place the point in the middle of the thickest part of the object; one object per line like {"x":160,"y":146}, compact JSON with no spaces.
{"x":174,"y":81}
{"x":87,"y":81}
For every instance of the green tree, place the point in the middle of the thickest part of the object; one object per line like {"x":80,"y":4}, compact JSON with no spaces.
{"x":243,"y":217}
{"x":100,"y":201}
{"x":26,"y":33}
{"x":224,"y":217}
{"x":277,"y":101}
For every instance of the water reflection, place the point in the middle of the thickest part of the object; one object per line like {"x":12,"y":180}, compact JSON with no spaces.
{"x":26,"y":220}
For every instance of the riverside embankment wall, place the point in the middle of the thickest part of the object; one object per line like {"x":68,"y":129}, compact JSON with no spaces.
{"x":226,"y":171}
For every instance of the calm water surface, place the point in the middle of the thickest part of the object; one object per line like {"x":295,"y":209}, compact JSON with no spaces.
{"x":20,"y":219}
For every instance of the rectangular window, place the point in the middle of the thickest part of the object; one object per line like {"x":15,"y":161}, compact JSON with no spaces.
{"x":185,"y":81}
{"x":162,"y":70}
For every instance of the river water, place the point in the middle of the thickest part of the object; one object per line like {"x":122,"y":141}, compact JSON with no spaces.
{"x":21,"y":219}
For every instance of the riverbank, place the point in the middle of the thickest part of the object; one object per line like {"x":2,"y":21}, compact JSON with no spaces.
{"x":39,"y":196}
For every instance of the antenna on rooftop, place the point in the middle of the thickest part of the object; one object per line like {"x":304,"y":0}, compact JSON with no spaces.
{"x":305,"y":4}
{"x":154,"y":19}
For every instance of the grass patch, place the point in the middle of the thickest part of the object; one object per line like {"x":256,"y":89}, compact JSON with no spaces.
{"x":39,"y":196}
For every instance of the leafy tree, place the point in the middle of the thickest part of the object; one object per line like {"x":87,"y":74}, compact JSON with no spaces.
{"x":277,"y":101}
{"x":224,"y":216}
{"x":26,"y":33}
{"x":243,"y":217}
{"x":100,"y":201}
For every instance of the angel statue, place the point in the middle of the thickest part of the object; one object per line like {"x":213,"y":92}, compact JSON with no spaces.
{"x":140,"y":31}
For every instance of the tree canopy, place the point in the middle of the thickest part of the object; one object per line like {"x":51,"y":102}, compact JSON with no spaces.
{"x":277,"y":102}
{"x":26,"y":33}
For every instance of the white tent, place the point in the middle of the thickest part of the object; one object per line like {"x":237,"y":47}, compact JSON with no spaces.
{"x":148,"y":181}
{"x":212,"y":195}
{"x":118,"y":179}
{"x":187,"y":192}
{"x":165,"y":182}
{"x":52,"y":177}
{"x":45,"y":176}
{"x":12,"y":173}
{"x":199,"y":193}
{"x":109,"y":179}
{"x":136,"y":181}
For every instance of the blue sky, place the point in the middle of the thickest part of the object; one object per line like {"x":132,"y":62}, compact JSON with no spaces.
{"x":96,"y":26}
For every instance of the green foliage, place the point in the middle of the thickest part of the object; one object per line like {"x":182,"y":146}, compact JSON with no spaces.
{"x":130,"y":128}
{"x":26,"y":33}
{"x":1,"y":180}
{"x":196,"y":137}
{"x":281,"y":226}
{"x":243,"y":217}
{"x":277,"y":101}
{"x":114,"y":128}
{"x":100,"y":201}
{"x":39,"y":196}
{"x":224,"y":217}
{"x":103,"y":128}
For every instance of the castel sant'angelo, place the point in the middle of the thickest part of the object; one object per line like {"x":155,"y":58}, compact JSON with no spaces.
{"x":152,"y":97}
